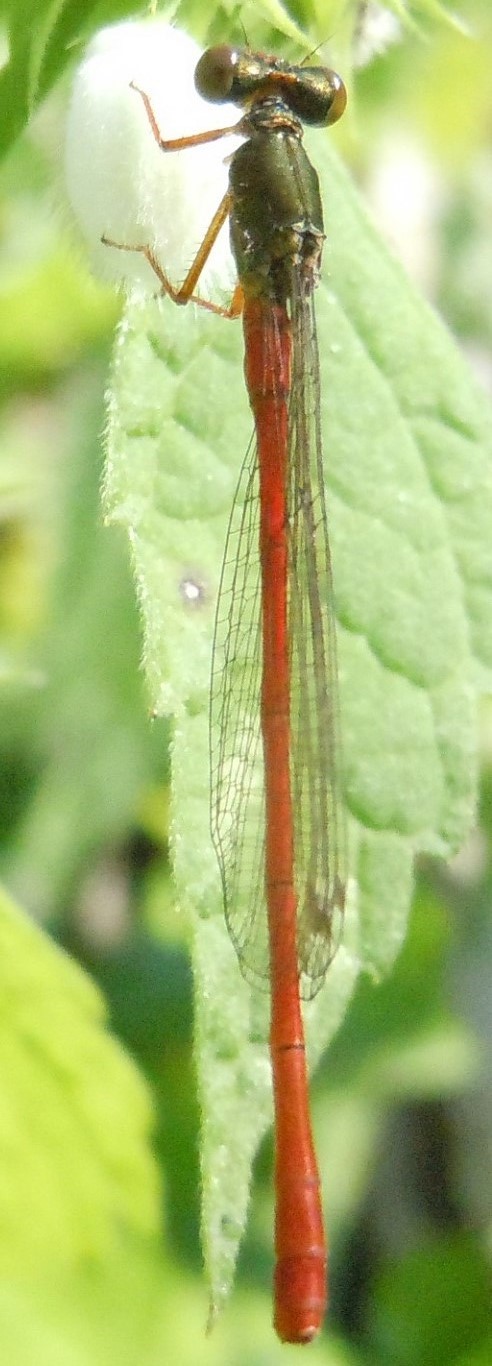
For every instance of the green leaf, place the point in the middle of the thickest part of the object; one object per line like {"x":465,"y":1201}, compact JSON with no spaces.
{"x":407,"y":447}
{"x":41,"y":36}
{"x":125,"y":1309}
{"x":449,"y":1280}
{"x":88,"y":718}
{"x":75,"y":1116}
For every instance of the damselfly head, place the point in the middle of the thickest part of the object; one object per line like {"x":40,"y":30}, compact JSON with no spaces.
{"x":315,"y":94}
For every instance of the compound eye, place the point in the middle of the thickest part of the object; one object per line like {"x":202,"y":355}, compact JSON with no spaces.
{"x":215,"y":73}
{"x":338,"y":100}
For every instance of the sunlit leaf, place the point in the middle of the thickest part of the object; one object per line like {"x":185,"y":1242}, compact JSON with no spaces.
{"x":75,"y":1117}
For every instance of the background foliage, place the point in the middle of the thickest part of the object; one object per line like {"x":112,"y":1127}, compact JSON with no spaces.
{"x":100,"y":1245}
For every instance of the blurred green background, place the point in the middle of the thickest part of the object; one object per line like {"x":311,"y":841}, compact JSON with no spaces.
{"x":403,"y":1100}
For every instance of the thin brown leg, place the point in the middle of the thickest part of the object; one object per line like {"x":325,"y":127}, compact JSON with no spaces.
{"x":180,"y":144}
{"x":183,"y":294}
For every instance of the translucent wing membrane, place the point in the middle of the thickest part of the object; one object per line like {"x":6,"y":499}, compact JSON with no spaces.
{"x":237,"y":788}
{"x":238,"y":801}
{"x":319,"y":827}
